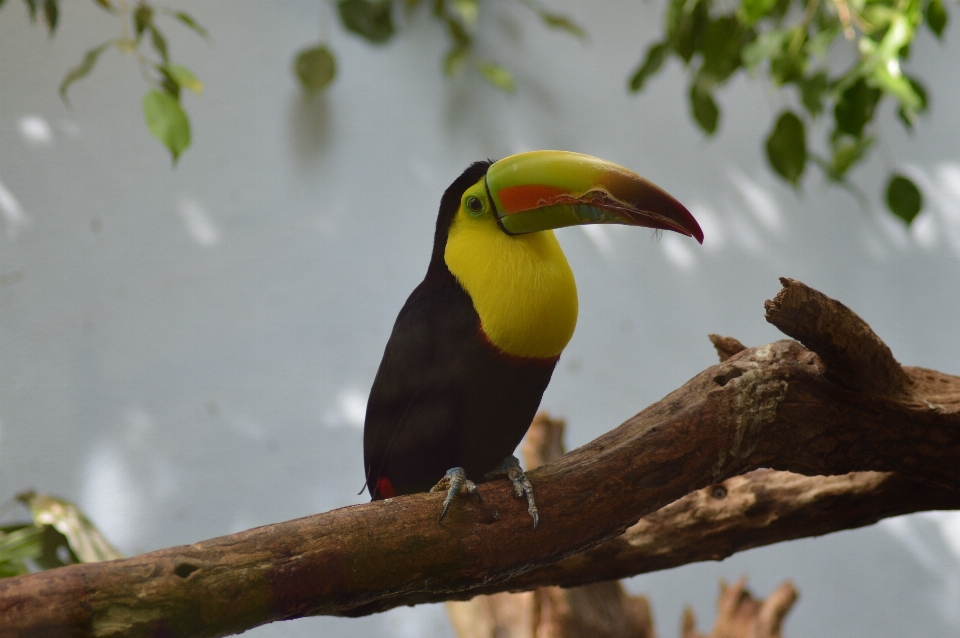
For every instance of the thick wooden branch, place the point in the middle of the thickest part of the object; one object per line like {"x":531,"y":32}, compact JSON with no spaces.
{"x":773,"y":406}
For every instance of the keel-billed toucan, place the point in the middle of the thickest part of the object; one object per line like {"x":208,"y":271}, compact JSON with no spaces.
{"x":474,"y":346}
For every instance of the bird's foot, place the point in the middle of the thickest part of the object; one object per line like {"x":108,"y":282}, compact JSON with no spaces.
{"x":455,"y":482}
{"x":510,"y":468}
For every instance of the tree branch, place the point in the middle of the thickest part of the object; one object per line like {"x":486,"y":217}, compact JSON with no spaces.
{"x":776,"y":406}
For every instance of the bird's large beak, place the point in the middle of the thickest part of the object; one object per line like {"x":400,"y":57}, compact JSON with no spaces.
{"x":540,"y":190}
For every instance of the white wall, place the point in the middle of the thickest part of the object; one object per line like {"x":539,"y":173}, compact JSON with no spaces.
{"x":186,"y":352}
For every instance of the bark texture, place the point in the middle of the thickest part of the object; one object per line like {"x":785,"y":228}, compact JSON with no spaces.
{"x":778,"y":406}
{"x":597,"y":610}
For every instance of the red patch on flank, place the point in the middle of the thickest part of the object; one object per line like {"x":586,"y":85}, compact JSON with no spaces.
{"x":385,"y":488}
{"x":516,"y":199}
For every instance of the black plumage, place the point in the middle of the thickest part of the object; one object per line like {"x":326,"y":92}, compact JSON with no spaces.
{"x":444,"y":396}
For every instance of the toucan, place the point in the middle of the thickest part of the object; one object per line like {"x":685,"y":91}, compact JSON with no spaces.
{"x":476,"y":343}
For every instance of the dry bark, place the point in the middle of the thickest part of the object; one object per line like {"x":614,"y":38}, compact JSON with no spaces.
{"x":740,"y":615}
{"x":777,"y":406}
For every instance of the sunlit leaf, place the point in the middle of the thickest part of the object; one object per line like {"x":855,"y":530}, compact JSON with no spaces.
{"x":19,"y":544}
{"x":159,"y":43}
{"x":369,"y":19}
{"x":855,"y":107}
{"x":764,"y":47}
{"x":753,"y":10}
{"x":82,"y":69}
{"x":52,"y":14}
{"x":819,"y":43}
{"x":904,"y":198}
{"x":188,"y":21}
{"x":468,"y":10}
{"x":787,"y":147}
{"x":705,"y":110}
{"x":908,"y":117}
{"x":656,"y":54}
{"x":84,"y":539}
{"x":315,"y":68}
{"x":167,"y":121}
{"x":497,"y":76}
{"x":182,"y":76}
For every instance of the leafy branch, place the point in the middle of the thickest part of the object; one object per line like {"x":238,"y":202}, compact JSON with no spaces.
{"x":373,"y":21}
{"x":58,"y":535}
{"x":789,"y":42}
{"x":162,"y":108}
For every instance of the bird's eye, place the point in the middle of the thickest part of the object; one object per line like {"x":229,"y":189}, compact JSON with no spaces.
{"x":474,"y":205}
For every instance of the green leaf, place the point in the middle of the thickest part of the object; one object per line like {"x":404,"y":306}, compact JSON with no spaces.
{"x":159,"y":43}
{"x":182,"y":76}
{"x":18,"y":544}
{"x":855,"y":107}
{"x":936,"y":15}
{"x":704,"y":109}
{"x":753,"y":10}
{"x":811,"y":91}
{"x":847,"y":151}
{"x":497,"y":76}
{"x":765,"y":46}
{"x":656,"y":55}
{"x":315,"y":68}
{"x":904,"y":198}
{"x":142,"y":18}
{"x":787,"y":147}
{"x":686,"y":21}
{"x":790,"y":63}
{"x":454,"y":61}
{"x":819,"y":43}
{"x":82,"y":69}
{"x":722,"y":45}
{"x":84,"y":539}
{"x":187,"y":21}
{"x":32,"y":8}
{"x":561,"y":22}
{"x":52,"y":14}
{"x":461,"y":39}
{"x":909,"y":116}
{"x":369,"y":19}
{"x":167,"y":121}
{"x":106,"y":6}
{"x":468,"y":10}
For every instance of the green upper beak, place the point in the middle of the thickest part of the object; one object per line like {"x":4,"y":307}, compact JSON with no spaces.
{"x":540,"y":190}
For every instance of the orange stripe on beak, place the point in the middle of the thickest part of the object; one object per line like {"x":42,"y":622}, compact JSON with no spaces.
{"x":516,"y":199}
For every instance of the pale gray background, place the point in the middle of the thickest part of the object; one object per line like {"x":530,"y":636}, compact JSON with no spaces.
{"x":186,"y":353}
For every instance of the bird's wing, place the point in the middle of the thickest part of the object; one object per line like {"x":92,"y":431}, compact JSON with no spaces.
{"x":415,"y":399}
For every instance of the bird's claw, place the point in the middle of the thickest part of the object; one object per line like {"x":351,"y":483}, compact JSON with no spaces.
{"x":510,"y":468}
{"x":455,"y":482}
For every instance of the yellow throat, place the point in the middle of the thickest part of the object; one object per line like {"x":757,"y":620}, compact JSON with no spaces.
{"x":521,"y":286}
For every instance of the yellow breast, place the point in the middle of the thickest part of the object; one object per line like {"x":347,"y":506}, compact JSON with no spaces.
{"x":521,"y":286}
